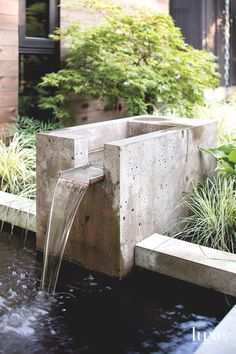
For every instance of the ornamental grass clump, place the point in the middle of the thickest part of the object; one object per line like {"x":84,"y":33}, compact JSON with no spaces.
{"x":212,"y":219}
{"x":17,"y":167}
{"x":18,"y":156}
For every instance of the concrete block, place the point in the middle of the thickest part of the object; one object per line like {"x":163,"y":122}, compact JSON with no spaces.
{"x":54,"y":154}
{"x":186,"y":261}
{"x":149,"y":162}
{"x":18,"y":211}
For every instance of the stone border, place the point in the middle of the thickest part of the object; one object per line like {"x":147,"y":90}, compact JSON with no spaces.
{"x":18,"y":211}
{"x":186,"y":261}
{"x":199,"y":265}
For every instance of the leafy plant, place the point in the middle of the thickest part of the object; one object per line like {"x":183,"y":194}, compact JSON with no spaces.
{"x":17,"y":167}
{"x":212,"y":222}
{"x":28,"y":127}
{"x":226,"y":156}
{"x":31,"y":126}
{"x":139,"y":60}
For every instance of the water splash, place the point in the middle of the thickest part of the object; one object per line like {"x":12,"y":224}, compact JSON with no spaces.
{"x":67,"y":197}
{"x":33,"y":322}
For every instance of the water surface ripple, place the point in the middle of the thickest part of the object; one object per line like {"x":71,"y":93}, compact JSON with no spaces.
{"x":91,"y":314}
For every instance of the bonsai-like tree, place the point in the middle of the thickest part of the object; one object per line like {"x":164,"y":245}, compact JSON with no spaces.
{"x":140,"y":60}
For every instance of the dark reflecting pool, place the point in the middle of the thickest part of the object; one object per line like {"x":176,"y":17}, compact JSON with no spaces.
{"x":144,"y":313}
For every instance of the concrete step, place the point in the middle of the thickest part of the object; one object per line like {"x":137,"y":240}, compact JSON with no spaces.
{"x":186,"y":261}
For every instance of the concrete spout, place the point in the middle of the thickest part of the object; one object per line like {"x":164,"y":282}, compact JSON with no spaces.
{"x":86,"y":174}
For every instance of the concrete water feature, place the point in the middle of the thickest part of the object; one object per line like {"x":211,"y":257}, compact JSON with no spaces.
{"x":148,"y":163}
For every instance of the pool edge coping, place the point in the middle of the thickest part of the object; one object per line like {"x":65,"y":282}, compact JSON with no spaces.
{"x":151,"y":250}
{"x":18,"y":211}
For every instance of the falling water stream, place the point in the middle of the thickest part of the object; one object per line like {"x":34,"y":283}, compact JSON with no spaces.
{"x":68,"y":194}
{"x":66,"y":200}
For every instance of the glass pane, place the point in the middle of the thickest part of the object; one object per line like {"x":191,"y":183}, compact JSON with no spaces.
{"x":32,"y":68}
{"x":37,"y":18}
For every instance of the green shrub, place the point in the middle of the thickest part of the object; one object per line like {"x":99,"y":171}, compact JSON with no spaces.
{"x":212,"y":220}
{"x":139,"y":60}
{"x":28,"y":127}
{"x":31,"y":126}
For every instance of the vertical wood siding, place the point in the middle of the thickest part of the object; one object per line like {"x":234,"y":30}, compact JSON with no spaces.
{"x":8,"y":61}
{"x":233,"y":44}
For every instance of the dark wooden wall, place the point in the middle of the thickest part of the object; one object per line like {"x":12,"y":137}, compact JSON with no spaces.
{"x":214,"y":31}
{"x":187,"y":16}
{"x":202,"y":24}
{"x":8,"y":60}
{"x":233,"y":44}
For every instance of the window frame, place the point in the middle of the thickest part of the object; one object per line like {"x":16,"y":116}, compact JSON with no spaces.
{"x":37,"y":45}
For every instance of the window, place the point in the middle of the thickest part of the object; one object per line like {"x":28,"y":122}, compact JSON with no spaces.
{"x":38,"y":53}
{"x":37,"y":20}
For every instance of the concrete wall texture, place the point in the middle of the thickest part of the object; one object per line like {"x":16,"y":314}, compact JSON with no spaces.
{"x":148,"y":164}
